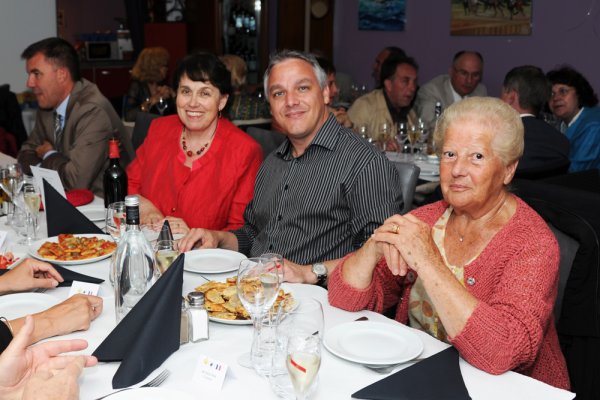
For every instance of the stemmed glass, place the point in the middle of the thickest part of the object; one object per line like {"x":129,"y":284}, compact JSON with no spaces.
{"x":401,"y":138}
{"x":413,"y":137}
{"x":11,"y":184}
{"x":422,"y":141}
{"x":384,"y":135}
{"x":258,"y":282}
{"x":32,"y":199}
{"x":165,"y":252}
{"x":297,"y":356}
{"x":161,"y":106}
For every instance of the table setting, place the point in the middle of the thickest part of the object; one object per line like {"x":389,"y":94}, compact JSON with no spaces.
{"x":333,"y":354}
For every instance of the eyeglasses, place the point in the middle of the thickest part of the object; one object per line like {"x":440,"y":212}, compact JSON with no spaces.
{"x":562,"y":92}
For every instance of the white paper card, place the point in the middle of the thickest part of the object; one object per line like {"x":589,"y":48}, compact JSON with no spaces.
{"x":88,"y":288}
{"x":2,"y":237}
{"x":49,"y":175}
{"x":210,"y":373}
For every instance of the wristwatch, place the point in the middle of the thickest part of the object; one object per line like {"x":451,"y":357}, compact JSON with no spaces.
{"x":320,"y":270}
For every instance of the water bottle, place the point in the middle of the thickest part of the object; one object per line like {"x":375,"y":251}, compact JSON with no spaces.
{"x":134,"y":262}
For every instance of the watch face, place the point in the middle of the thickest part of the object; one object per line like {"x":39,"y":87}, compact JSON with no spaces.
{"x":320,"y":269}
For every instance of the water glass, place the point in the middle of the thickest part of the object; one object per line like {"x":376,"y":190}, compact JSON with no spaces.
{"x":299,"y":332}
{"x":115,"y":220}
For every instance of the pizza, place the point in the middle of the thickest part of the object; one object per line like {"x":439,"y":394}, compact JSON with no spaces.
{"x":72,"y":248}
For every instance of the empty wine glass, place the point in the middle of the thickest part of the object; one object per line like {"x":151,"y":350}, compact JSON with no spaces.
{"x":303,"y":321}
{"x":162,"y":105}
{"x":258,"y":282}
{"x":115,"y":220}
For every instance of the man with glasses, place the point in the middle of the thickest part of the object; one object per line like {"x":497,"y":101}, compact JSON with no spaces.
{"x":463,"y":80}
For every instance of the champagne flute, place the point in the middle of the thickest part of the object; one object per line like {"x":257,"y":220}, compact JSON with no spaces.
{"x":161,"y":106}
{"x":258,"y":282}
{"x":166,"y":251}
{"x":303,"y":363}
{"x":423,"y":134}
{"x":384,"y":135}
{"x":32,"y":200}
{"x":413,"y":136}
{"x":304,"y":321}
{"x":12,"y":183}
{"x":401,"y":138}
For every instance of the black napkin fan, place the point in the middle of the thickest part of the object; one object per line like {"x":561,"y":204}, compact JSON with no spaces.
{"x":435,"y":378}
{"x":149,"y":334}
{"x":62,"y":217}
{"x":165,"y":232}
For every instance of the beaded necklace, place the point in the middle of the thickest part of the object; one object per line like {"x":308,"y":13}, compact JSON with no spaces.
{"x":190,"y":153}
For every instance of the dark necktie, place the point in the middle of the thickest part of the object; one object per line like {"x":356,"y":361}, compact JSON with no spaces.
{"x":57,"y":130}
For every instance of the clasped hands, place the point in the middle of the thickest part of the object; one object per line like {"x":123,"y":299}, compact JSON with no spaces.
{"x":405,"y":242}
{"x":43,"y":148}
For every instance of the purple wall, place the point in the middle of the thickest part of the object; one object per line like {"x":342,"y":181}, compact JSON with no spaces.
{"x":563,"y":32}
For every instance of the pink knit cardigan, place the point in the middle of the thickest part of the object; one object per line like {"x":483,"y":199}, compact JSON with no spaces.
{"x":515,"y":279}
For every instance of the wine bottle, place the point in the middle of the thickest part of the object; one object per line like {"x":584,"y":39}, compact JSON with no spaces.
{"x":133,"y":268}
{"x":115,"y":177}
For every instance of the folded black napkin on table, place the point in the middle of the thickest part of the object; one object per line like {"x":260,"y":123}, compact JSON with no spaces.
{"x":149,"y":334}
{"x":62,"y":217}
{"x":165,"y":232}
{"x":435,"y":378}
{"x":68,"y":276}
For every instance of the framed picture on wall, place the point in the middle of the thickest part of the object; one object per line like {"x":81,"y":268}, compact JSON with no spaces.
{"x":490,"y":17}
{"x":381,"y":15}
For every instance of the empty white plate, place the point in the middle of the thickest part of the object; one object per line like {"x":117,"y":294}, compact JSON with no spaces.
{"x":212,"y":261}
{"x":19,"y":305}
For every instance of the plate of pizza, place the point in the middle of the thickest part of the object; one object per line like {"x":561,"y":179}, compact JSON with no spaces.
{"x":68,"y":249}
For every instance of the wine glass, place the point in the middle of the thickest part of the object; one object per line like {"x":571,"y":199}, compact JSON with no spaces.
{"x":165,"y":252}
{"x":32,"y":200}
{"x":115,"y":220}
{"x":11,"y":184}
{"x":423,"y":134}
{"x":303,"y":324}
{"x":161,"y":106}
{"x":401,"y":138}
{"x":258,"y":282}
{"x":413,"y":137}
{"x":384,"y":135}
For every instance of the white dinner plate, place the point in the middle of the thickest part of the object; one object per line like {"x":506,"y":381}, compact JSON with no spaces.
{"x":18,"y":305}
{"x":212,"y":261}
{"x":33,"y":248}
{"x":249,"y":321}
{"x":151,"y":393}
{"x":94,"y":213}
{"x":375,"y":343}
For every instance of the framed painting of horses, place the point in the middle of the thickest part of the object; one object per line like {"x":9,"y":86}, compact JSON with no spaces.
{"x":381,"y":15}
{"x":491,"y":17}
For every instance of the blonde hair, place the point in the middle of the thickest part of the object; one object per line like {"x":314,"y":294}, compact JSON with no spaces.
{"x":494,"y":114}
{"x":148,"y":64}
{"x":237,"y":67}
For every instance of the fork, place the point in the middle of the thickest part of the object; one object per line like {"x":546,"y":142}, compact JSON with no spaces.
{"x":157,"y":381}
{"x":384,"y":369}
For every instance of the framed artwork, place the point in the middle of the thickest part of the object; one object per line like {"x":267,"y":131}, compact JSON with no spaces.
{"x":381,"y":15}
{"x":490,"y":17}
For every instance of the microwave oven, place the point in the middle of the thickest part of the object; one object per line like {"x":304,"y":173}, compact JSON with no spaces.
{"x":102,"y":51}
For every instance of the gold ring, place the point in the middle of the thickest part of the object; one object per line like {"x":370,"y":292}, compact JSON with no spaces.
{"x":395,"y":228}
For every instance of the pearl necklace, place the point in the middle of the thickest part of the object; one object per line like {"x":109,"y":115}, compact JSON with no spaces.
{"x":190,"y":153}
{"x":461,"y":238}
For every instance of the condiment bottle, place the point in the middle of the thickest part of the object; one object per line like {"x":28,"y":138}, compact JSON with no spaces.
{"x":199,"y":317}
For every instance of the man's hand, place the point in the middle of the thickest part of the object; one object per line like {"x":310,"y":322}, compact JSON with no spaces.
{"x":30,"y":274}
{"x":43,"y":148}
{"x":297,"y":273}
{"x":41,"y":363}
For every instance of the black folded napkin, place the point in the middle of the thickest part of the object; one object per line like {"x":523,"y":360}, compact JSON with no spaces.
{"x":435,"y":378}
{"x":62,"y":217}
{"x":68,"y":276}
{"x":165,"y":232}
{"x":149,"y":334}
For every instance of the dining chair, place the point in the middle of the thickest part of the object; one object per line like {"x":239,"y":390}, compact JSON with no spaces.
{"x":268,"y":140}
{"x":409,"y":174}
{"x":140,"y":129}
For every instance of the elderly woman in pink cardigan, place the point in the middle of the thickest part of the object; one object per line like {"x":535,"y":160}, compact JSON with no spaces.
{"x":479,"y":269}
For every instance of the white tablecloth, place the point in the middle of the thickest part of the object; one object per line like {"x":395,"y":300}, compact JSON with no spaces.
{"x":338,"y":378}
{"x":430,"y":170}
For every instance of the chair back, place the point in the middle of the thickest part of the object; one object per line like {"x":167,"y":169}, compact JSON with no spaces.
{"x":409,"y":174}
{"x":268,"y":140}
{"x":140,"y":129}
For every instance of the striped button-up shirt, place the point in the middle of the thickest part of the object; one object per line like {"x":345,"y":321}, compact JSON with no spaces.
{"x":323,"y":204}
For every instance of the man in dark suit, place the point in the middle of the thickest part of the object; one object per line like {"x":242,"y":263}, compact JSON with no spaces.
{"x":74,"y":121}
{"x":526,"y":89}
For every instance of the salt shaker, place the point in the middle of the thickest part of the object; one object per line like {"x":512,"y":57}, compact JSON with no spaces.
{"x":186,"y":323}
{"x":199,"y":317}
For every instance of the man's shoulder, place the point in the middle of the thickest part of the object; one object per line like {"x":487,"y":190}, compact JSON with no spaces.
{"x":87,"y":93}
{"x":537,"y":129}
{"x":439,"y":83}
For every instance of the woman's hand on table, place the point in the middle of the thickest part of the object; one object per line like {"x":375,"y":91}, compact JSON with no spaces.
{"x":41,"y":371}
{"x":410,"y":244}
{"x":149,"y":214}
{"x":30,"y":274}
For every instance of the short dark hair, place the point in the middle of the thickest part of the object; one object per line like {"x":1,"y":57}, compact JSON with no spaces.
{"x":204,"y":67}
{"x":567,"y":75}
{"x":389,"y":66}
{"x":326,"y":65}
{"x":395,"y":51}
{"x":532,"y":86}
{"x":460,"y":53}
{"x":58,"y":51}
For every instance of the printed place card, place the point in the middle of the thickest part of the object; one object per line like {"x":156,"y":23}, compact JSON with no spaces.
{"x":91,"y":289}
{"x":210,"y":373}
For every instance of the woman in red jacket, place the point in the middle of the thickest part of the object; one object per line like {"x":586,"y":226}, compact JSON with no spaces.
{"x":196,"y":168}
{"x":479,"y":269}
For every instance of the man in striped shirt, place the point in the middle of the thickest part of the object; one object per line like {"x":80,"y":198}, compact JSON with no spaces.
{"x":318,"y":196}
